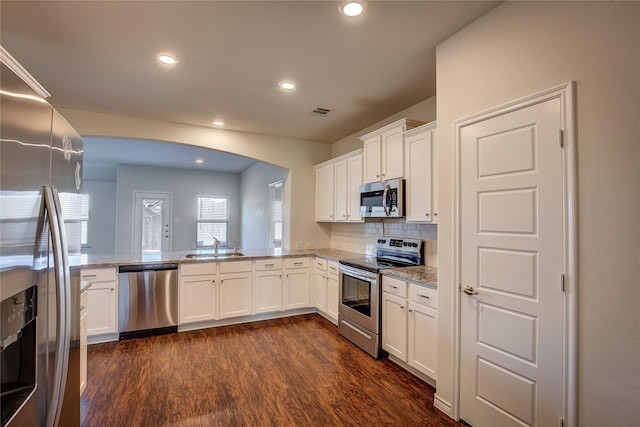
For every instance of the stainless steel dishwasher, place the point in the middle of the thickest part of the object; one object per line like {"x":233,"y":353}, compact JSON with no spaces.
{"x":147,"y":300}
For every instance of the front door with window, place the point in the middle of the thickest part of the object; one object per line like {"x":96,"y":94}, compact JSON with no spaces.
{"x":152,"y":224}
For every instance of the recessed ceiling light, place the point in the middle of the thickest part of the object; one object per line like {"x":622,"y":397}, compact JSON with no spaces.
{"x":218,"y":123}
{"x":199,"y":161}
{"x":287,"y":85}
{"x":166,"y":59}
{"x":352,"y":8}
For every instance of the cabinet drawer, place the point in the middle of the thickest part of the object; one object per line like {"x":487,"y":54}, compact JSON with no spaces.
{"x":423,"y":295}
{"x":235,"y":266}
{"x":99,"y":274}
{"x":321,"y":264}
{"x":268,"y":264}
{"x":394,"y":286}
{"x":296,"y":263}
{"x":198,"y":268}
{"x":332,"y":268}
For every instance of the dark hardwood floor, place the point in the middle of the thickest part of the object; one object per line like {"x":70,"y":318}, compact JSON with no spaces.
{"x":295,"y":371}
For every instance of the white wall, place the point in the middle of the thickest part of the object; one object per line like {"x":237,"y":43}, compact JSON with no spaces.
{"x":185,"y":185}
{"x":101,"y":228}
{"x":254,"y":186}
{"x":297,"y":155}
{"x":521,"y":48}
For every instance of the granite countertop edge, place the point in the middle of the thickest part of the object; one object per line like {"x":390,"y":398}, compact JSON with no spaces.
{"x":330,"y":254}
{"x":423,"y":275}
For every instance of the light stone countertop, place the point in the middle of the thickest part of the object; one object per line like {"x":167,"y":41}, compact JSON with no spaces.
{"x":420,"y":274}
{"x":96,"y":261}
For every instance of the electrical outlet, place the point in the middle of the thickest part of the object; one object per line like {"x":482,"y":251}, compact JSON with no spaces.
{"x":310,"y":244}
{"x":299,"y":245}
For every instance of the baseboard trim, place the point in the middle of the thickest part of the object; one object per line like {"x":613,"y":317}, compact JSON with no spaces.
{"x":443,"y":406}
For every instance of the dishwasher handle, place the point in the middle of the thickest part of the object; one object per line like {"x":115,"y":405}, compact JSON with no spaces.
{"x":147,"y":267}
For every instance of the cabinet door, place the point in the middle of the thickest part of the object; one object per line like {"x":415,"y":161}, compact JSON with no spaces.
{"x":324,"y":193}
{"x":394,"y":325}
{"x":83,"y":341}
{"x":354,"y":181}
{"x":102,"y":310}
{"x":268,"y":291}
{"x":296,"y":292}
{"x":423,"y":339}
{"x":197,"y":298}
{"x":371,"y":159}
{"x":418,"y":184}
{"x":321,"y":291}
{"x":235,"y":294}
{"x":393,"y":153}
{"x":332,"y":297}
{"x":340,"y":191}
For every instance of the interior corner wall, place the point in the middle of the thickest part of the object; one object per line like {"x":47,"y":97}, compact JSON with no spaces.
{"x":521,"y":48}
{"x":255,"y":195}
{"x":101,"y":227}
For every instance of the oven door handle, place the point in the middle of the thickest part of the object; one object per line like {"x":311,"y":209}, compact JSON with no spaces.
{"x":358,"y":274}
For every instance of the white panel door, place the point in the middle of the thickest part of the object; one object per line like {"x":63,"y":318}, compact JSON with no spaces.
{"x":511,"y":204}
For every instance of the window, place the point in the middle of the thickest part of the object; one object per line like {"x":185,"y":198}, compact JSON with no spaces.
{"x":212,"y":220}
{"x":275,"y":202}
{"x":84,"y":221}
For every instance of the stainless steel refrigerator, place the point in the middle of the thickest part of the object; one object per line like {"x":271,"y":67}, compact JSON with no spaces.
{"x":40,"y":242}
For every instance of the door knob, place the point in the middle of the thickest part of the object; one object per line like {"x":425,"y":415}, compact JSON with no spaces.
{"x":469,"y":290}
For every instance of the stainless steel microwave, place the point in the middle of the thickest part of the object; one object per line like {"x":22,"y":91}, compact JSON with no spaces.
{"x":383,"y":199}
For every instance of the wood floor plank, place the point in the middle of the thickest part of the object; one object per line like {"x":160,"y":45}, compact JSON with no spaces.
{"x":295,"y":371}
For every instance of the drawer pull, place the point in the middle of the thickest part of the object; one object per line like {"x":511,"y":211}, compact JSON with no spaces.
{"x":297,"y":263}
{"x":82,"y":307}
{"x":90,"y":276}
{"x":393,"y":286}
{"x":269,"y":265}
{"x":424,"y":296}
{"x":100,"y":289}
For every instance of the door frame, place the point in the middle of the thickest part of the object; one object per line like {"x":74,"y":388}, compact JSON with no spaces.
{"x":566,"y":94}
{"x":150,"y":194}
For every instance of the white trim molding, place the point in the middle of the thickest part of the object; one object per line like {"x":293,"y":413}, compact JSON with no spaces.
{"x":15,"y":66}
{"x":566,"y":94}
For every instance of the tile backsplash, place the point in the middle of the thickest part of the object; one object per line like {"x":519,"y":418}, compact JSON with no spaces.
{"x":361,"y":237}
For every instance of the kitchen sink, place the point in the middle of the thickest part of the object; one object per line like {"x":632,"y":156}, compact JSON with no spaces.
{"x":212,"y":255}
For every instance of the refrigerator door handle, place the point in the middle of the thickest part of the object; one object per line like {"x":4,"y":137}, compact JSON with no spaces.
{"x":63,"y":296}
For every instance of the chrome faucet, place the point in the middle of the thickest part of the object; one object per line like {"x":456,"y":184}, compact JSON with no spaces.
{"x":216,"y":245}
{"x":235,"y":245}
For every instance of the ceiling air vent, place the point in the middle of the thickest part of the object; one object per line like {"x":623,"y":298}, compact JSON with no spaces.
{"x":321,"y":111}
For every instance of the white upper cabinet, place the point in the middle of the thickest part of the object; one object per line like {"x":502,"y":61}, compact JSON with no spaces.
{"x":324,"y":192}
{"x":383,"y":155}
{"x":421,"y":174}
{"x":338,"y":188}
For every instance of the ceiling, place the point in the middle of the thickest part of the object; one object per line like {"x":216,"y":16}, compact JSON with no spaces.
{"x":101,"y":57}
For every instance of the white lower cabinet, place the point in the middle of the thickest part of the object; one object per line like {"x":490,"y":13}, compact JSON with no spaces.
{"x":296,"y":283}
{"x":236,"y":289}
{"x":83,"y":341}
{"x":268,"y":286}
{"x":409,"y":324}
{"x":198,"y":292}
{"x":332,"y":291}
{"x":321,"y":285}
{"x":326,"y":288}
{"x":102,"y":300}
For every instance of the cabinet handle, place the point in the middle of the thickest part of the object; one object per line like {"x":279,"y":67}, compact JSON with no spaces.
{"x":82,"y":307}
{"x":90,"y":276}
{"x":410,"y":310}
{"x":402,"y":307}
{"x":213,"y":281}
{"x":427,"y":214}
{"x":269,"y":265}
{"x":344,"y":216}
{"x":424,"y":296}
{"x":377,"y":176}
{"x":435,"y":214}
{"x":393,"y":286}
{"x":297,"y":263}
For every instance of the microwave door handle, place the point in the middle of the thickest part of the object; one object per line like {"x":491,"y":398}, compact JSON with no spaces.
{"x":384,"y":199}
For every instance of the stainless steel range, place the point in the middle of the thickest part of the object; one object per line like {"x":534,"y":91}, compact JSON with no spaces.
{"x":359,"y":311}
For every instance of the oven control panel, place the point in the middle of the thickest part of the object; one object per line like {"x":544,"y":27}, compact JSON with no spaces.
{"x":398,"y":243}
